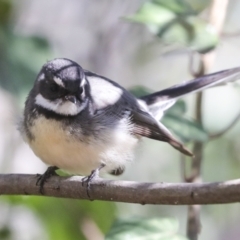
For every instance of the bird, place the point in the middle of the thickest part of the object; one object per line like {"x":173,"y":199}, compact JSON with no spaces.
{"x":82,"y":122}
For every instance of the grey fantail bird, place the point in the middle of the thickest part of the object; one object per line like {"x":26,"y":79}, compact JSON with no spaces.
{"x":81,"y":122}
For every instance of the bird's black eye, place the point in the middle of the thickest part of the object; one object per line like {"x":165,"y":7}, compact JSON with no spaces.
{"x":81,"y":90}
{"x":54,"y":88}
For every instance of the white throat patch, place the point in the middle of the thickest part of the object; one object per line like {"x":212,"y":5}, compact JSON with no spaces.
{"x":59,"y":106}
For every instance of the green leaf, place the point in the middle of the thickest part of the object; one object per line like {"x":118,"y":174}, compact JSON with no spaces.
{"x":142,"y":229}
{"x":197,"y":5}
{"x":187,"y":130}
{"x":191,"y":7}
{"x":152,"y":15}
{"x":190,"y":32}
{"x":176,"y":22}
{"x":176,"y":6}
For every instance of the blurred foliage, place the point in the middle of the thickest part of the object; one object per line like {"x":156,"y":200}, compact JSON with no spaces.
{"x":150,"y":229}
{"x":187,"y":130}
{"x":5,"y":233}
{"x":178,"y":22}
{"x":63,"y":218}
{"x":5,"y":11}
{"x":20,"y":56}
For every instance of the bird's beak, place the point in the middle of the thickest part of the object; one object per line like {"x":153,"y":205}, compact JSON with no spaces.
{"x":71,"y":98}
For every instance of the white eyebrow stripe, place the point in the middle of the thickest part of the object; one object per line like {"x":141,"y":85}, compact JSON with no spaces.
{"x":83,"y":82}
{"x":58,"y":81}
{"x":41,"y":77}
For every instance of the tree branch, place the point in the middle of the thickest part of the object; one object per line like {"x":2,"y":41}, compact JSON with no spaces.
{"x":124,"y":191}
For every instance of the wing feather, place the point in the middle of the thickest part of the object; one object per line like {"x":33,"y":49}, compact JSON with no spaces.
{"x":145,"y":125}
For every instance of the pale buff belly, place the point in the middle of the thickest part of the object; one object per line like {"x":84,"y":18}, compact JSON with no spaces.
{"x":57,"y":147}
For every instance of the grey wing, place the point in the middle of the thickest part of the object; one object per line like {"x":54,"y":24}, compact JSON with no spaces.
{"x":116,"y":103}
{"x":145,"y":125}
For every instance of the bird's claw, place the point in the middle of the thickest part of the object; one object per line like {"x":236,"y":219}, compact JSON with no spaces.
{"x":89,"y":178}
{"x":42,"y":178}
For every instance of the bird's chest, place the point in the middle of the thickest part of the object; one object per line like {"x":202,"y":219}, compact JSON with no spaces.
{"x":69,"y":149}
{"x":56,"y":145}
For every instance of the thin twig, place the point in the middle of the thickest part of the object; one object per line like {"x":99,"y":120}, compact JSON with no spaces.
{"x":216,"y":19}
{"x":194,"y":223}
{"x":219,"y":134}
{"x":183,"y":167}
{"x":193,"y":220}
{"x":198,"y":113}
{"x":192,"y":58}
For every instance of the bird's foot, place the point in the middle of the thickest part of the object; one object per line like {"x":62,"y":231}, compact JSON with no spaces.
{"x":42,"y":178}
{"x":88,"y":179}
{"x":117,"y":171}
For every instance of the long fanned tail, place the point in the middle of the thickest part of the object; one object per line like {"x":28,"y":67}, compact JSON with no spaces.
{"x":195,"y":85}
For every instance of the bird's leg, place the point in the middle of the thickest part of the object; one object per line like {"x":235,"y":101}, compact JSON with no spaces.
{"x":43,"y":177}
{"x":88,"y":179}
{"x":117,"y":171}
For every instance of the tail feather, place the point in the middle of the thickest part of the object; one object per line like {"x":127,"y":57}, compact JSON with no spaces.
{"x":158,"y":102}
{"x":180,"y":147}
{"x":194,"y":85}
